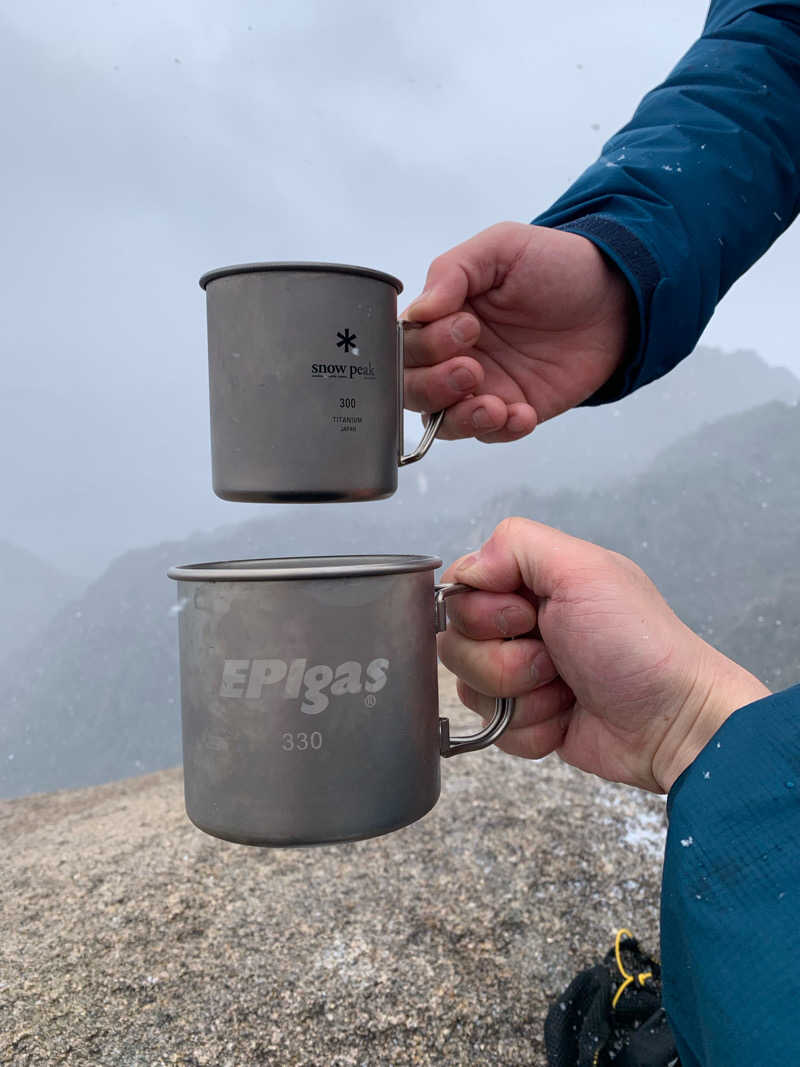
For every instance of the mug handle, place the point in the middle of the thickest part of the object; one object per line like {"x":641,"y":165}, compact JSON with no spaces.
{"x":503,"y":706}
{"x":434,"y":422}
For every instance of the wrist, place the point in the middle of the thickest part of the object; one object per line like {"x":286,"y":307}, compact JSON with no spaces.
{"x":624,"y":253}
{"x":720,"y":688}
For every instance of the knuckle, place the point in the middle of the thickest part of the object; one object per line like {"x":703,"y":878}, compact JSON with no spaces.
{"x":626,"y":564}
{"x":512,"y":528}
{"x":471,"y":625}
{"x":522,"y":656}
{"x":440,"y":263}
{"x":464,"y":423}
{"x":502,"y":229}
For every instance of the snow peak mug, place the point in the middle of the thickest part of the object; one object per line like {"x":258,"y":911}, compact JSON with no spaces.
{"x":309,"y":696}
{"x":306,"y":384}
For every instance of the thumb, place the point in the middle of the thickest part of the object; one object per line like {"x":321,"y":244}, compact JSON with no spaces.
{"x":522,"y":552}
{"x":466,"y":271}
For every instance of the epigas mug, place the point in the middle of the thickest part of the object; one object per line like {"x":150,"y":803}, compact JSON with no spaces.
{"x":309,"y":696}
{"x":306,"y":382}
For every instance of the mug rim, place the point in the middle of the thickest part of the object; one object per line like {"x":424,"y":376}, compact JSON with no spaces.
{"x":289,"y":568}
{"x":301,"y":266}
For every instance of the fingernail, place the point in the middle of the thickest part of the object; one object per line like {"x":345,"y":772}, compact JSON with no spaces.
{"x":469,"y":561}
{"x":463,"y":328}
{"x":541,"y":668}
{"x":482,"y":420}
{"x":462,"y":380}
{"x":414,"y":302}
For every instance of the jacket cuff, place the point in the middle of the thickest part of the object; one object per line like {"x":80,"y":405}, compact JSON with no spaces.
{"x":627,"y":252}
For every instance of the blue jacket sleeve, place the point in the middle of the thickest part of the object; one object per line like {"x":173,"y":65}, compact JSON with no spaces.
{"x":701,"y":181}
{"x":730,"y":903}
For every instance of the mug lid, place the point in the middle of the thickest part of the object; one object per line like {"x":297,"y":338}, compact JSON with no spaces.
{"x":322,"y":268}
{"x":292,"y":567}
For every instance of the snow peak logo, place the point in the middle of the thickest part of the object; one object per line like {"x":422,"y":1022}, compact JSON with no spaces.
{"x":247,"y":678}
{"x":347,"y":341}
{"x":347,"y":371}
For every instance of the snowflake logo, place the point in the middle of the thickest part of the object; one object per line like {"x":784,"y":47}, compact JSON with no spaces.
{"x":346,"y":341}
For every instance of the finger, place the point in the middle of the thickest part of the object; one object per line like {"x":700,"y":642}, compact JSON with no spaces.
{"x":434,"y":388}
{"x":478,"y":417}
{"x":474,"y":416}
{"x":521,"y":420}
{"x":497,"y":668}
{"x":466,"y":418}
{"x":525,"y":553}
{"x":471,"y":268}
{"x":530,"y":709}
{"x":451,"y":336}
{"x":539,"y":722}
{"x":483,"y":616}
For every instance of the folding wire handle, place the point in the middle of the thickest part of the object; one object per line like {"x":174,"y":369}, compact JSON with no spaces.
{"x":434,"y":422}
{"x":503,"y":706}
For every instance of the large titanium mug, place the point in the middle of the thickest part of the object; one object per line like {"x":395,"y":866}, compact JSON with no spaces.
{"x":309,"y":696}
{"x":306,"y":382}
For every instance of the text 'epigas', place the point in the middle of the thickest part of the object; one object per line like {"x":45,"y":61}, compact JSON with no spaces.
{"x":247,"y":678}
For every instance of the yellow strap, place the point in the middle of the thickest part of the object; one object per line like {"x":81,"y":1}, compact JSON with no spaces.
{"x":641,"y":978}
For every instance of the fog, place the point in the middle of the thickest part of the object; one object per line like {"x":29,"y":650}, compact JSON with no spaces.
{"x":143,"y":145}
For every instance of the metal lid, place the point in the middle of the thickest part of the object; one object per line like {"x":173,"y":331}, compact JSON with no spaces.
{"x":323,"y":268}
{"x":291,"y":567}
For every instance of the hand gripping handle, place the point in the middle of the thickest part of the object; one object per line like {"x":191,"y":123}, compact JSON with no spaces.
{"x":503,"y":706}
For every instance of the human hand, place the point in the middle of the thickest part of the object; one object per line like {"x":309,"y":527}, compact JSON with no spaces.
{"x":603,"y":671}
{"x":520,"y":323}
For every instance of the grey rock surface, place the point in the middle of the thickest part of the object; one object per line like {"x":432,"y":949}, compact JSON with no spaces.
{"x":131,"y":939}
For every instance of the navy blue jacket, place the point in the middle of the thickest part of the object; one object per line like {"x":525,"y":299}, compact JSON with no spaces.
{"x":684,"y":199}
{"x":730,"y":898}
{"x":701,"y":181}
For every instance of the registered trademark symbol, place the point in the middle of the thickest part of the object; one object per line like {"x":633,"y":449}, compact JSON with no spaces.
{"x":371,"y":700}
{"x":346,"y":340}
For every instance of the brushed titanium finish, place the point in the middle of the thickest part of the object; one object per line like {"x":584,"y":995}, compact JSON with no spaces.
{"x":305,"y":383}
{"x":309,"y":697}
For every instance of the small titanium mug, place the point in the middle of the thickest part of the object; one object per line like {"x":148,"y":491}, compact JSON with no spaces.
{"x":309,"y":696}
{"x":306,"y":382}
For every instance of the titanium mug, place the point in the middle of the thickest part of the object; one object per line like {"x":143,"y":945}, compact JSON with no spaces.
{"x":309,"y":697}
{"x":306,"y":382}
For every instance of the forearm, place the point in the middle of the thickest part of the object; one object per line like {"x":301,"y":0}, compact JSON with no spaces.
{"x":701,"y":181}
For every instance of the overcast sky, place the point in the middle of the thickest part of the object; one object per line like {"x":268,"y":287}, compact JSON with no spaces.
{"x":144,"y":143}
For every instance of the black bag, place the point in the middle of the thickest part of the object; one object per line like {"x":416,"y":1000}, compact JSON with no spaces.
{"x":611,"y":1015}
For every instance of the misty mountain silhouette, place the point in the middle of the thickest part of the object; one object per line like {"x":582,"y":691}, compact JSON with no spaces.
{"x":109,"y":498}
{"x":33,"y":592}
{"x":715,"y":521}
